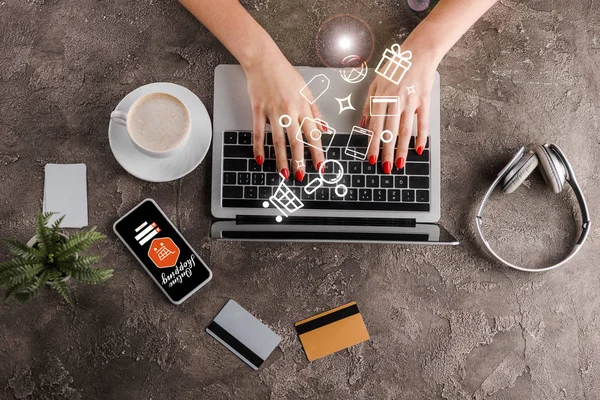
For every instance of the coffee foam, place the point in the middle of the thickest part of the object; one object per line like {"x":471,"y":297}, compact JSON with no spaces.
{"x":158,"y":122}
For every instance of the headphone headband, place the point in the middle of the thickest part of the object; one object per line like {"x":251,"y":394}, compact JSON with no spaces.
{"x":570,"y":178}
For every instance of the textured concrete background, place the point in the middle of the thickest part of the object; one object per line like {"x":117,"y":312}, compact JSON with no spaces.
{"x":444,"y":322}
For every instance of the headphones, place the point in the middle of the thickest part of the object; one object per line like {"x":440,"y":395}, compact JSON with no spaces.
{"x":557,"y":171}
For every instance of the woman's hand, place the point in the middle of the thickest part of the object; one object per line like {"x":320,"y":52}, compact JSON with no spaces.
{"x":274,"y":88}
{"x":420,"y":76}
{"x":274,"y":84}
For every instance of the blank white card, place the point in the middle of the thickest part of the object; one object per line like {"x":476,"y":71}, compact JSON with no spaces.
{"x":65,"y":193}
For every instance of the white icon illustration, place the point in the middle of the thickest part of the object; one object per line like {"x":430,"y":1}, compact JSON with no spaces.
{"x":315,"y":87}
{"x":315,"y":134}
{"x":337,"y":170}
{"x":300,"y":164}
{"x":359,"y":135}
{"x":147,"y":232}
{"x":163,"y":252}
{"x":345,"y":103}
{"x":285,"y":121}
{"x":387,"y":136}
{"x":284,"y":200}
{"x":353,"y":74}
{"x":411,"y":89}
{"x":390,"y":106}
{"x":394,"y":64}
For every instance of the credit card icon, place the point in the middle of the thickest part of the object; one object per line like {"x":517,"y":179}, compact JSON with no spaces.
{"x":332,"y":331}
{"x":385,"y":106}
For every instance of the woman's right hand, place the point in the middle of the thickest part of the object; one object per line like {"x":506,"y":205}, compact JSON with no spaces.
{"x":399,"y":119}
{"x":274,"y":88}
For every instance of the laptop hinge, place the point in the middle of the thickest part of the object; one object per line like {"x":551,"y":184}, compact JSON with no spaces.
{"x":292,"y":220}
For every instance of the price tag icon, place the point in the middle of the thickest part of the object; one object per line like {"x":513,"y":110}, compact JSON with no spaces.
{"x":315,"y":88}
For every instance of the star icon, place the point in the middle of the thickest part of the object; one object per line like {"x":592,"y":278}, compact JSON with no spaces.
{"x":345,"y":104}
{"x":411,"y":89}
{"x":300,"y":164}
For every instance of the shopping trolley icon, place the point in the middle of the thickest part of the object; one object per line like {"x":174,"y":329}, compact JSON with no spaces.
{"x":163,"y":252}
{"x":284,"y":200}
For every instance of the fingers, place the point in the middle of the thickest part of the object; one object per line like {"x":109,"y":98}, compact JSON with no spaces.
{"x":376,"y":125}
{"x":279,"y":143}
{"x":406,"y":126}
{"x":422,"y":127}
{"x":258,"y":135}
{"x":312,"y":136}
{"x":297,"y":149}
{"x":389,"y":143}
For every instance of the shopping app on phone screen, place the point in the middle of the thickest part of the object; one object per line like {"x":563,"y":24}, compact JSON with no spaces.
{"x":162,"y":250}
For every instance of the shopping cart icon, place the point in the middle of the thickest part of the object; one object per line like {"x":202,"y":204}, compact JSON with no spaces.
{"x":284,"y":200}
{"x":163,"y":252}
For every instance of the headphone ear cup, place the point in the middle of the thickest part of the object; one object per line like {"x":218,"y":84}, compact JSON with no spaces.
{"x":517,"y":174}
{"x":552,"y":169}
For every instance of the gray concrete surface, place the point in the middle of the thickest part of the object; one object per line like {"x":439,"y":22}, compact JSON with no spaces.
{"x":444,"y":322}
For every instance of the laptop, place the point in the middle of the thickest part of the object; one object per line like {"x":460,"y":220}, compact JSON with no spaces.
{"x":401,"y":207}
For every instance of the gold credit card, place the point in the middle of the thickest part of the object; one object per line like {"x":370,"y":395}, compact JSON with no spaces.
{"x":332,"y":331}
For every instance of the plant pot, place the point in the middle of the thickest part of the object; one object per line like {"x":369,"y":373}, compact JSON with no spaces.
{"x":33,"y":241}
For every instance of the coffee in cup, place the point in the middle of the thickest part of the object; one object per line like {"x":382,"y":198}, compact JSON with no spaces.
{"x":157,"y":123}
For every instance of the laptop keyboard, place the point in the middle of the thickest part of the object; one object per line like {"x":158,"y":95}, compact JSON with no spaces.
{"x":247,"y":184}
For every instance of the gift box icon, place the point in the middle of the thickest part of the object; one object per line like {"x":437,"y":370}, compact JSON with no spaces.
{"x":394,"y":64}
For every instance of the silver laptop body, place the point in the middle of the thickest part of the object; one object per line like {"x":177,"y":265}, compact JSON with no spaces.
{"x":232,"y":112}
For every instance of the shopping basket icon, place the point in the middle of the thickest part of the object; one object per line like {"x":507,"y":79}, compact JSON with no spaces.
{"x":285,"y":200}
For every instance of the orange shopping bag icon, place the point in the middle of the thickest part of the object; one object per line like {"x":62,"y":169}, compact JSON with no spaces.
{"x":163,"y":252}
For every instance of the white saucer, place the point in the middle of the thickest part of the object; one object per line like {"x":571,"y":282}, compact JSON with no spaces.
{"x":179,"y":164}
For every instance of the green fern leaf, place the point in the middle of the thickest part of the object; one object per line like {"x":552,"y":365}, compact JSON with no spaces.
{"x":23,"y":297}
{"x":22,"y":250}
{"x":13,"y":289}
{"x":7,"y":268}
{"x":78,"y":263}
{"x":77,"y":243}
{"x":55,"y":228}
{"x":42,"y":232}
{"x":63,"y":289}
{"x":91,"y":275}
{"x":32,"y":290}
{"x":54,"y":274}
{"x":24,"y":274}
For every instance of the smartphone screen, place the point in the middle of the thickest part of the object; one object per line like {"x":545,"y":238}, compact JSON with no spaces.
{"x":163,"y":252}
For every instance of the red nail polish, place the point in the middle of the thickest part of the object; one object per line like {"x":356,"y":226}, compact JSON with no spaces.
{"x":387,"y":167}
{"x":362,"y":122}
{"x":299,"y":176}
{"x":260,"y":160}
{"x":420,"y":150}
{"x":286,"y":173}
{"x":400,"y":163}
{"x":321,"y":167}
{"x":372,"y":160}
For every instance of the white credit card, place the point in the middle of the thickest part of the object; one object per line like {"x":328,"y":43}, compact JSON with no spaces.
{"x":243,"y":334}
{"x":65,"y":193}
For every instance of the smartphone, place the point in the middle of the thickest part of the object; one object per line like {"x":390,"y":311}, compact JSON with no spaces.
{"x":163,"y":252}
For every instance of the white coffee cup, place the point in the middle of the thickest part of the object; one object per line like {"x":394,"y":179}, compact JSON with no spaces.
{"x":158,"y":124}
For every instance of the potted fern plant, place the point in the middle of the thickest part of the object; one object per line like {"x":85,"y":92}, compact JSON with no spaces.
{"x":50,"y":258}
